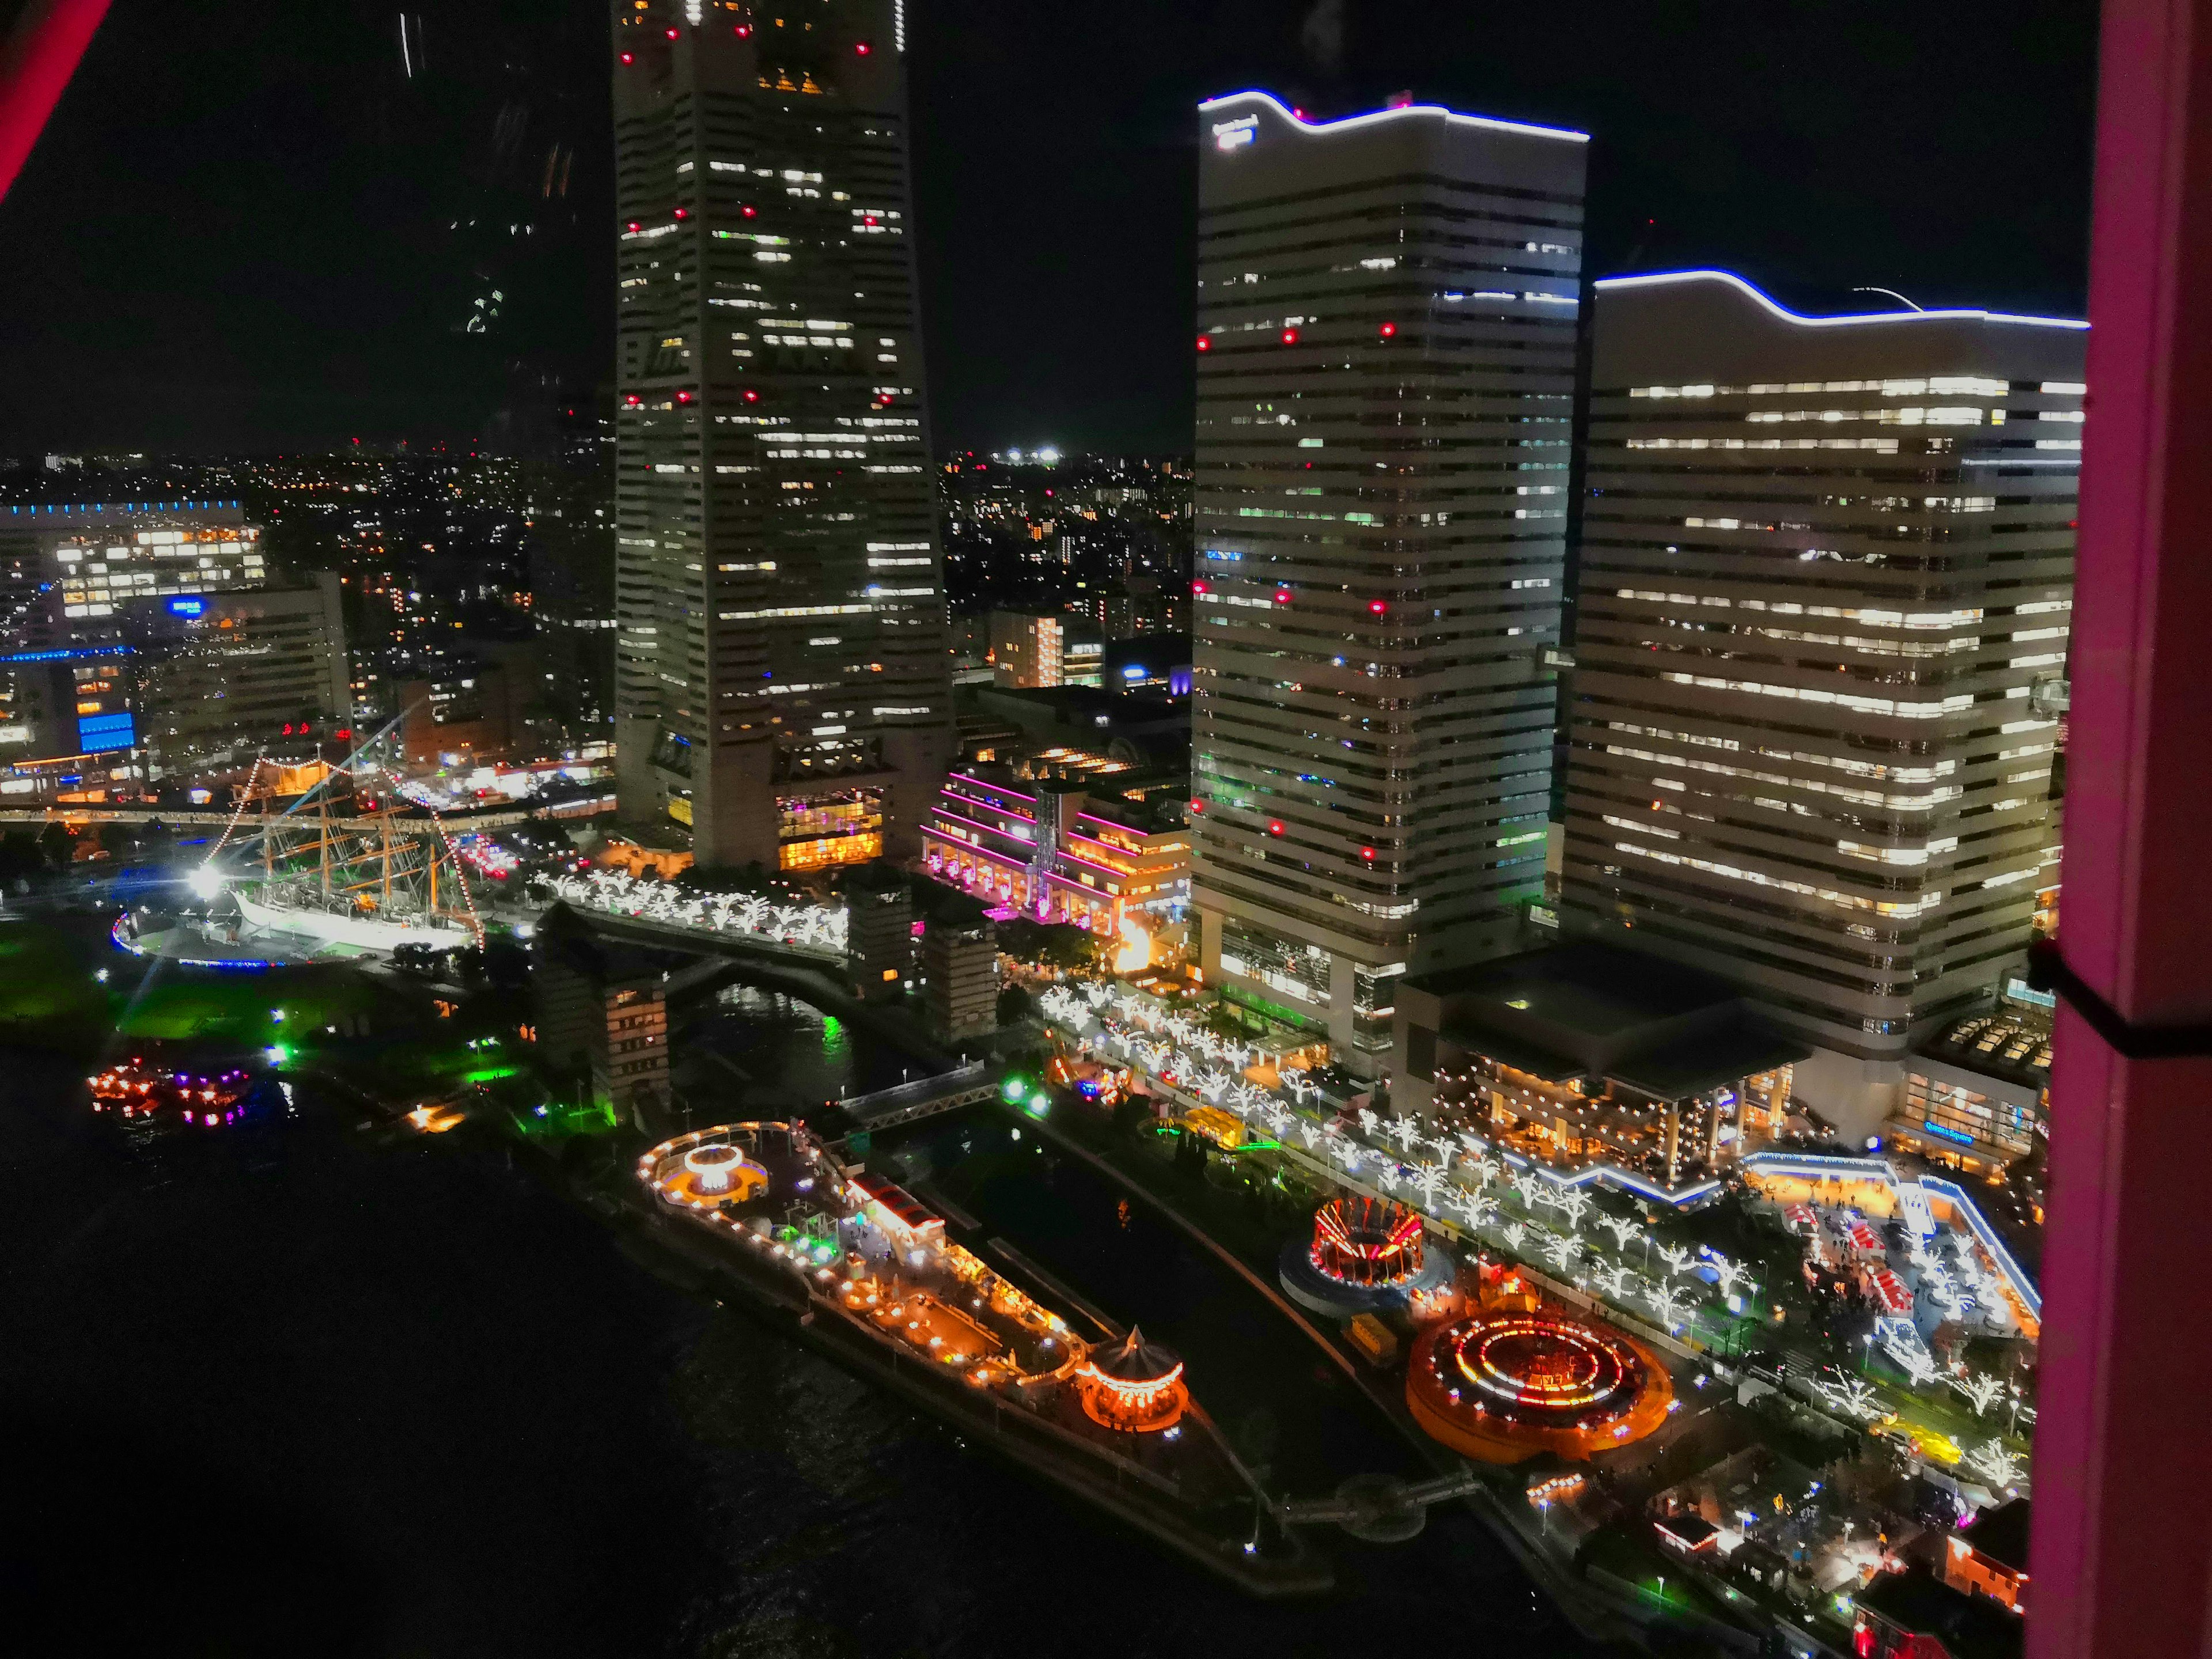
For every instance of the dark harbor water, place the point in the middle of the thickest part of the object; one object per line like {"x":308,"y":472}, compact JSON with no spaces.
{"x":315,"y":1389}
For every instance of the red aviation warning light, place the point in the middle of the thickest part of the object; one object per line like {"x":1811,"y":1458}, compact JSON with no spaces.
{"x":1274,"y":826}
{"x":862,"y":48}
{"x":1387,"y":330}
{"x":1205,"y":344}
{"x":1375,"y":607}
{"x":1290,"y":337}
{"x":1367,"y":853}
{"x":1282,"y":595}
{"x":629,"y":58}
{"x":751,"y":396}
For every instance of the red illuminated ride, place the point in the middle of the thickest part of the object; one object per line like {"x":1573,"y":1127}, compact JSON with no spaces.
{"x":1367,"y":1242}
{"x":1502,"y":1385}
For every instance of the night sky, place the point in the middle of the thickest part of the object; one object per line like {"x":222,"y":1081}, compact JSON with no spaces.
{"x":239,"y":230}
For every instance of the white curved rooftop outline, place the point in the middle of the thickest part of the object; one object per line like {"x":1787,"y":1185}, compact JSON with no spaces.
{"x":1373,"y":116}
{"x":1651,"y":279}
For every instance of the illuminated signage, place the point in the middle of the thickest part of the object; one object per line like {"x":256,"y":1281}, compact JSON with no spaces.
{"x":1230,"y":135}
{"x":100,"y":734}
{"x":186,"y":607}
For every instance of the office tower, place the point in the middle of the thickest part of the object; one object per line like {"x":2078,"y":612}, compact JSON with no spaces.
{"x":781,"y":683}
{"x":960,"y":970}
{"x":224,"y":677}
{"x":1386,"y":364}
{"x":571,"y":509}
{"x":77,"y":584}
{"x":1826,"y":573}
{"x":67,"y":571}
{"x":1036,"y":649}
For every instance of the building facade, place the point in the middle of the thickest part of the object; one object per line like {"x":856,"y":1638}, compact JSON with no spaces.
{"x":1386,"y":373}
{"x":1060,"y":853}
{"x":1825,"y":572}
{"x":602,"y":1018}
{"x":116,"y":616}
{"x":782,"y":686}
{"x":1034,"y":650}
{"x":224,"y":675}
{"x":960,"y":970}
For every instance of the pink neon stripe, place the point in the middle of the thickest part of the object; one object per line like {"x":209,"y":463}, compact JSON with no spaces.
{"x":35,"y":67}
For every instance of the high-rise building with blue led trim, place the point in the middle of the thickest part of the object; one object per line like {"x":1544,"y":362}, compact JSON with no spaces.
{"x":1386,"y":376}
{"x":1825,"y":588}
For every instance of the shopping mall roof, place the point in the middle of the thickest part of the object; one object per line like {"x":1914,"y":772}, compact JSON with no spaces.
{"x":1582,"y":1009}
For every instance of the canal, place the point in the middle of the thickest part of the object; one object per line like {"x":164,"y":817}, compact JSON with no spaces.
{"x":1287,"y":1407}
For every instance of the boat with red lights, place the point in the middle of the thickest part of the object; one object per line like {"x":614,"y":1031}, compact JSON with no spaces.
{"x":207,"y":1096}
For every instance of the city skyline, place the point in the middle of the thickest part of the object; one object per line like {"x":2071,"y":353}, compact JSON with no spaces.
{"x":331,"y":289}
{"x":1465,"y":728}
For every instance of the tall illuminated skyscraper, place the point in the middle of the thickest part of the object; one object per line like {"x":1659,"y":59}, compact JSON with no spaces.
{"x":1385,"y":365}
{"x":781,"y":683}
{"x":1826,"y":575}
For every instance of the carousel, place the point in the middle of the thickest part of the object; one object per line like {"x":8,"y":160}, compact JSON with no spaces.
{"x":1133,"y":1386}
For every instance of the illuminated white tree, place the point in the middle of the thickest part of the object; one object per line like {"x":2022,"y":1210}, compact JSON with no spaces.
{"x":1729,"y":1274}
{"x":1513,"y":1232}
{"x":1279,"y":1118}
{"x":1982,"y":1389}
{"x":1446,"y":1150}
{"x":1560,"y":1251}
{"x":1428,"y":1181}
{"x":1622,"y":1230}
{"x":1369,"y":1123}
{"x":1485,"y":1169}
{"x":1677,"y":1258}
{"x":1472,"y":1207}
{"x":1405,"y":1131}
{"x":1995,"y":1463}
{"x":1853,"y":1396}
{"x":1575,"y":1202}
{"x":1529,"y":1192}
{"x":1669,"y":1303}
{"x":1612,"y":1281}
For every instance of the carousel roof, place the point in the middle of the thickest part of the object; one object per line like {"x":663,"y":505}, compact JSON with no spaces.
{"x":1136,"y":1360}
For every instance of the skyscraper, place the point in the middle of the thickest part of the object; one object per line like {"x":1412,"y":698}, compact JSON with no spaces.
{"x":781,"y":683}
{"x":1386,"y":363}
{"x":1826,"y":575}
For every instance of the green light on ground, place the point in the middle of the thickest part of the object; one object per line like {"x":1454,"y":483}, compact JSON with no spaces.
{"x":1015,"y":1090}
{"x":833,"y":1034}
{"x":490,"y":1073}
